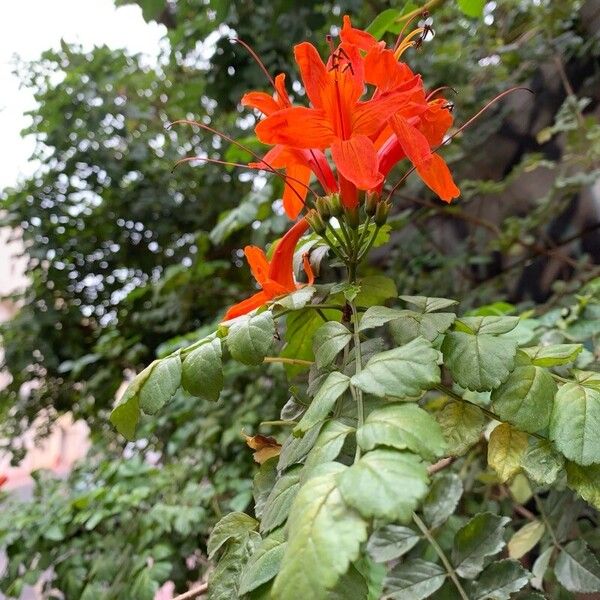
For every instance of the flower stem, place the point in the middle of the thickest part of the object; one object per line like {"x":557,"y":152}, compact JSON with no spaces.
{"x":287,"y":361}
{"x":357,"y":392}
{"x":438,"y":550}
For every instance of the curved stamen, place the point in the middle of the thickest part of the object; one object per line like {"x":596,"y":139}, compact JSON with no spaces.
{"x":400,"y":37}
{"x":459,"y":130}
{"x":256,"y":58}
{"x":440,"y":89}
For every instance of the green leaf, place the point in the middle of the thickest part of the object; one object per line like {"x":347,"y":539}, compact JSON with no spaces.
{"x":526,"y":398}
{"x":376,"y":316}
{"x":402,"y":372}
{"x":585,"y":481}
{"x":264,"y":564}
{"x":400,"y":479}
{"x":324,"y":537}
{"x":294,"y":449}
{"x":462,"y":424}
{"x":487,"y":325}
{"x":331,"y":389}
{"x":499,"y":581}
{"x":300,"y":331}
{"x":126,"y":414}
{"x":279,"y":501}
{"x":375,"y":289}
{"x":414,"y":579}
{"x":481,"y":537}
{"x":328,"y":445}
{"x":413,"y":324}
{"x":478,"y":362}
{"x":351,"y":586}
{"x":391,"y":542}
{"x":383,"y":22}
{"x":329,"y":340}
{"x":160,"y":386}
{"x":554,"y":355}
{"x":263,"y":483}
{"x":472,"y":8}
{"x":405,"y":427}
{"x":577,"y":568}
{"x":506,"y":448}
{"x":249,"y":339}
{"x":541,"y":462}
{"x":203,"y":371}
{"x":442,"y":499}
{"x":296,"y":300}
{"x":235,"y":525}
{"x":428,"y":305}
{"x":575,"y":423}
{"x":540,"y":566}
{"x":525,"y":539}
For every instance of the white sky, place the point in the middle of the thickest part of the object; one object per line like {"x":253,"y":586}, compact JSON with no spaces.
{"x":27,"y":28}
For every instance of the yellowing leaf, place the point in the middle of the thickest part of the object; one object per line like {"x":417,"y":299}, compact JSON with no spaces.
{"x":525,"y":539}
{"x":505,"y":449}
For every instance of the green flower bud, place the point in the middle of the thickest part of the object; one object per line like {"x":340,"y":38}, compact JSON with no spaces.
{"x":323,"y":208}
{"x":316,"y":222}
{"x":335,"y":205}
{"x":371,"y":202}
{"x":352,"y":217}
{"x":382,"y":212}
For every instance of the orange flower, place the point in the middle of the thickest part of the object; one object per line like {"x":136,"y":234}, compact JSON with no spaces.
{"x":276,"y":278}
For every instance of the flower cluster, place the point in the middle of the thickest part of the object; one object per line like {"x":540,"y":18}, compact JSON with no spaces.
{"x":367,"y":112}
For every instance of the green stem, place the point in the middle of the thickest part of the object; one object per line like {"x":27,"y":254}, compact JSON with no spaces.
{"x":363,"y":233}
{"x":279,"y":423}
{"x":438,"y":550}
{"x":287,"y":361}
{"x":344,"y":245}
{"x":549,"y":527}
{"x":369,"y":245}
{"x":357,"y":392}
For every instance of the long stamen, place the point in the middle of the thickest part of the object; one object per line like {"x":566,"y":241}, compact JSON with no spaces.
{"x":407,"y":42}
{"x":400,"y":37}
{"x":242,"y":147}
{"x":459,"y":130}
{"x":256,"y":58}
{"x":439,"y":89}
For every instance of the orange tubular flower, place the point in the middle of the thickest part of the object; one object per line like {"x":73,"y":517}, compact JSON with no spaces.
{"x":276,"y":278}
{"x":298,"y":164}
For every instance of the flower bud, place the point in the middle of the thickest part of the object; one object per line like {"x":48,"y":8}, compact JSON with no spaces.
{"x":371,"y":202}
{"x":352,"y":216}
{"x":335,"y":205}
{"x":323,"y":208}
{"x":382,"y":212}
{"x":316,"y":222}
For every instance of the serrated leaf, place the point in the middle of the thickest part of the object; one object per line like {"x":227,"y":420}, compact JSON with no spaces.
{"x":249,"y":339}
{"x":388,"y":472}
{"x":462,"y":424}
{"x":328,"y":444}
{"x":202,"y":374}
{"x":391,"y":542}
{"x":126,"y":414}
{"x":526,"y":398}
{"x":231,"y":526}
{"x":427,"y":325}
{"x":277,"y":505}
{"x":329,"y":341}
{"x":499,"y":581}
{"x":405,"y":427}
{"x":160,"y":386}
{"x":427,"y":305}
{"x":376,"y":316}
{"x":478,"y":362}
{"x":414,"y":579}
{"x":294,"y":449}
{"x":375,"y":289}
{"x":485,"y":325}
{"x":553,"y":355}
{"x":506,"y":448}
{"x":324,"y":537}
{"x":296,"y":300}
{"x":442,"y":499}
{"x":525,"y":539}
{"x":481,"y":537}
{"x":331,"y":389}
{"x":541,"y":462}
{"x":263,"y":565}
{"x":585,"y":481}
{"x":577,"y":568}
{"x":575,"y":423}
{"x":403,"y":372}
{"x":301,"y":328}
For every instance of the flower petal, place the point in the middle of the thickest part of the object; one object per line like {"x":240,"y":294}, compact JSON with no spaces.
{"x":437,"y":176}
{"x":313,"y":72}
{"x":413,"y":142}
{"x":384,"y":71}
{"x":299,"y":127}
{"x":281,"y":269}
{"x":261,"y":101}
{"x":259,"y":265}
{"x":357,"y":37}
{"x":295,"y":190}
{"x":245,"y":306}
{"x":435,"y":121}
{"x":356,"y":160}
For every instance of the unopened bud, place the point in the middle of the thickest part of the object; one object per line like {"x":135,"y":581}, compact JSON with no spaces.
{"x":335,"y":205}
{"x":324,"y":209}
{"x":371,"y":202}
{"x":382,"y":212}
{"x":352,"y":216}
{"x":316,"y":222}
